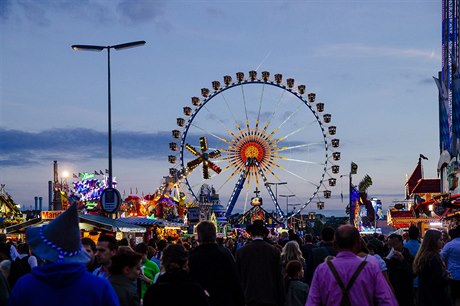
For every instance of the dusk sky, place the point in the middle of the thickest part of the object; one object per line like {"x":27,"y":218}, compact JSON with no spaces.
{"x":371,"y":62}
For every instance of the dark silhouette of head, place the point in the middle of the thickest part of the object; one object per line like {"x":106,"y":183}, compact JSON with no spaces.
{"x":327,"y":234}
{"x":414,"y":232}
{"x":206,"y":232}
{"x":347,"y":239}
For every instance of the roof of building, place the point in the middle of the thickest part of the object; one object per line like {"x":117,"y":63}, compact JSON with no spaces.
{"x":427,"y":186}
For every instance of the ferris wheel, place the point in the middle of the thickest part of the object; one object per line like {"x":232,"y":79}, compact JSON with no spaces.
{"x":257,"y":135}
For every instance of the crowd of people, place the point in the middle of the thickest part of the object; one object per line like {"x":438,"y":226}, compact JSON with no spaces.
{"x":341,"y":267}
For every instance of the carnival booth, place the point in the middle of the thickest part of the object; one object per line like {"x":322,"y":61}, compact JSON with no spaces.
{"x":157,"y":227}
{"x":89,"y":224}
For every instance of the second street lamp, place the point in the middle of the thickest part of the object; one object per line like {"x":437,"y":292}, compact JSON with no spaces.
{"x":276,"y":190}
{"x":98,"y":49}
{"x":287,"y":196}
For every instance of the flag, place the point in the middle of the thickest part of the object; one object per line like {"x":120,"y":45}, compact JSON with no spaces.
{"x":130,"y":190}
{"x":136,"y":190}
{"x":341,"y":196}
{"x":354,"y":168}
{"x":74,"y":175}
{"x":106,"y":171}
{"x":96,"y":173}
{"x":423,"y":156}
{"x":101,"y":172}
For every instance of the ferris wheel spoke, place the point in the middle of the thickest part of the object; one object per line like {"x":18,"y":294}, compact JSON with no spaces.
{"x":278,"y":104}
{"x":238,"y":126}
{"x":260,"y":106}
{"x":212,"y":134}
{"x":245,"y":201}
{"x":289,"y":118}
{"x":302,"y":161}
{"x":228,"y":179}
{"x":300,"y":146}
{"x":292,"y":133}
{"x":245,"y":109}
{"x":219,"y":121}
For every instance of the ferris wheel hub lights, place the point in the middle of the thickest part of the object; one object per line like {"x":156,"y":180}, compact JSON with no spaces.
{"x":253,"y":75}
{"x":216,"y":85}
{"x":290,"y":83}
{"x":327,"y":118}
{"x":240,"y":76}
{"x":265,"y":76}
{"x":311,"y":97}
{"x":278,"y":78}
{"x":301,"y":89}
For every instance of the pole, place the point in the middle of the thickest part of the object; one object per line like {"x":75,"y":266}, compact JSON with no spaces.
{"x":350,"y":188}
{"x":109,"y":118}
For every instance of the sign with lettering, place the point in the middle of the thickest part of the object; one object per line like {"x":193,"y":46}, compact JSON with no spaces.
{"x":110,"y":200}
{"x":50,"y":214}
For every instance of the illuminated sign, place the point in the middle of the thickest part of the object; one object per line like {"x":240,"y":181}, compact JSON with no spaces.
{"x":50,"y":214}
{"x":86,"y":176}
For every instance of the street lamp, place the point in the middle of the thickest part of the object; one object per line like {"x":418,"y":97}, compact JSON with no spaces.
{"x":287,"y":196}
{"x":276,"y":189}
{"x":98,"y":49}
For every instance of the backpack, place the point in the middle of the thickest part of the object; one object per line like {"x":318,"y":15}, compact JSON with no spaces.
{"x":19,"y":267}
{"x":346,"y":290}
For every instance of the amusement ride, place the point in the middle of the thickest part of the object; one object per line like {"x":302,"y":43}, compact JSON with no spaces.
{"x":250,"y":133}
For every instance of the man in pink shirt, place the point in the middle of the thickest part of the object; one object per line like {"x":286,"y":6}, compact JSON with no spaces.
{"x":369,"y":286}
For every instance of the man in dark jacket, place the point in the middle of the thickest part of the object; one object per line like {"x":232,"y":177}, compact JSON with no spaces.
{"x":320,"y":253}
{"x":214,"y":268}
{"x":399,"y":266}
{"x":259,"y":266}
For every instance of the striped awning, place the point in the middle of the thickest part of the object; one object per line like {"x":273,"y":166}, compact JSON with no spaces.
{"x":113,"y":225}
{"x":142,"y":221}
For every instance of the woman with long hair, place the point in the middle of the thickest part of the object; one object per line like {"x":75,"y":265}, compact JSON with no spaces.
{"x":431,"y":270}
{"x":291,"y":251}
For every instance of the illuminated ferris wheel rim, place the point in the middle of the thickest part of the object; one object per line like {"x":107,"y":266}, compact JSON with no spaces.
{"x":301,"y":95}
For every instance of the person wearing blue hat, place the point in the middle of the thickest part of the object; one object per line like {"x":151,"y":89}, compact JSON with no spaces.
{"x":63,"y":279}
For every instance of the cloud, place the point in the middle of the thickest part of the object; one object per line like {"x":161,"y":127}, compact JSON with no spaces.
{"x":140,"y":11}
{"x":21,"y":148}
{"x":41,"y":13}
{"x":359,"y":50}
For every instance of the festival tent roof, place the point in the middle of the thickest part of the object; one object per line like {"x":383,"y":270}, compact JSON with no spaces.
{"x":101,"y":222}
{"x":112,"y":225}
{"x":150,"y":222}
{"x":427,"y":186}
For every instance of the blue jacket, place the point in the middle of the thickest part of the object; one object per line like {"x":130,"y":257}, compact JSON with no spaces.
{"x":57,"y":284}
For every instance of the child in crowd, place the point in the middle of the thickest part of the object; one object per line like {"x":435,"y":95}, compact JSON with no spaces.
{"x":296,"y":289}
